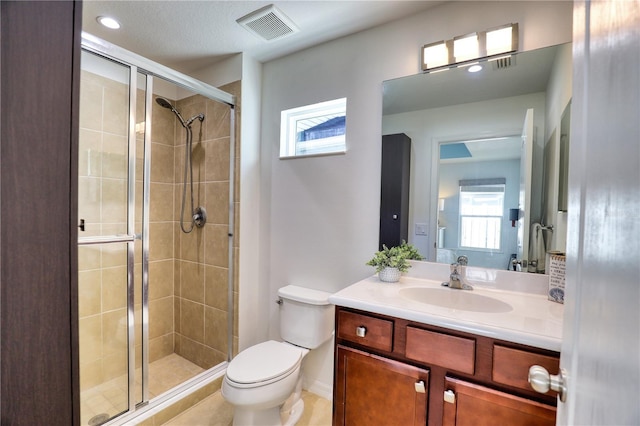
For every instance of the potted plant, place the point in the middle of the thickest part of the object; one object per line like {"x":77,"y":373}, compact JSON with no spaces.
{"x":391,"y":262}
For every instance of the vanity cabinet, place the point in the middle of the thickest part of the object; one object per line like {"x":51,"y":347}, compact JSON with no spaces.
{"x":393,"y":371}
{"x":469,"y":404}
{"x":375,"y":390}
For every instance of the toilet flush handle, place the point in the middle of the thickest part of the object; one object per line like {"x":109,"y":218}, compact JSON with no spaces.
{"x":279,"y":301}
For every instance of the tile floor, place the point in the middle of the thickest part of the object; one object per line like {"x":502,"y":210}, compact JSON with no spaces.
{"x":111,"y":397}
{"x":215,"y":411}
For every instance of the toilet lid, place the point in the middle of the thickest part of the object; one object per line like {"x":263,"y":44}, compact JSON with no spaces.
{"x":263,"y":362}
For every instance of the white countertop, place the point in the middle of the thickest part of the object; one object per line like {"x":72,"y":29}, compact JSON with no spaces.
{"x":533,"y":320}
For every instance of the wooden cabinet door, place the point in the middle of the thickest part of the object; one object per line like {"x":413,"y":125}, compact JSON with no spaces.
{"x":477,"y":405}
{"x":372,"y":390}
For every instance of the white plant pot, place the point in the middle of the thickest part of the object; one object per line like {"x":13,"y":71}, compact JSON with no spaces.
{"x":389,"y":275}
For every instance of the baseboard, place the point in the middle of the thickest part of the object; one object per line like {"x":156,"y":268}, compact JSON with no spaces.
{"x":321,"y":389}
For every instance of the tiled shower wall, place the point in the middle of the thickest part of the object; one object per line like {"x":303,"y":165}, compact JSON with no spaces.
{"x":187,"y":272}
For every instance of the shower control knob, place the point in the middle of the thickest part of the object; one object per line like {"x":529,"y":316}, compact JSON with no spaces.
{"x":199,"y":217}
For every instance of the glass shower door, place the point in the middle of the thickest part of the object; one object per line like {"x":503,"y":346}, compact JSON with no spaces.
{"x":106,"y":168}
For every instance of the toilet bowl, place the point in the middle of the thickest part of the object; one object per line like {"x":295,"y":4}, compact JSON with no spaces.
{"x":264,"y":381}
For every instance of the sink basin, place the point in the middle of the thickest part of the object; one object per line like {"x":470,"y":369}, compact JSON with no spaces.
{"x":462,"y":300}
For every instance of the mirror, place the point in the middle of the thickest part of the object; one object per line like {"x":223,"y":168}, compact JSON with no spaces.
{"x":468,"y":175}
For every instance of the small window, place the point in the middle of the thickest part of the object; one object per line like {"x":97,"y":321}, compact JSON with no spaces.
{"x":481,"y":212}
{"x":314,"y":129}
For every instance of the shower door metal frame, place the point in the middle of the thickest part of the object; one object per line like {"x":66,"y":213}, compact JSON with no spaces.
{"x":138,"y":64}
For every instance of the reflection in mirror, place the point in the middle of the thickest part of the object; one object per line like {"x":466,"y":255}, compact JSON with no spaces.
{"x":457,"y":199}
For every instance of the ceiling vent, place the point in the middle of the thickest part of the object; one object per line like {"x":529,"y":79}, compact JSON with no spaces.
{"x":268,"y":23}
{"x":503,"y":62}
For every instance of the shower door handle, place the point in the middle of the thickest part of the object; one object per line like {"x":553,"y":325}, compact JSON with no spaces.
{"x":106,"y":239}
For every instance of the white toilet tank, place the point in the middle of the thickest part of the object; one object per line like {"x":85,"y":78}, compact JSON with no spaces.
{"x":306,"y":316}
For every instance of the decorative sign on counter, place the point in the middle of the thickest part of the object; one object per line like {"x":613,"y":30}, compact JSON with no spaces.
{"x":557,"y":264}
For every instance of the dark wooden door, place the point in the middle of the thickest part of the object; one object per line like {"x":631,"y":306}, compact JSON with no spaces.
{"x":477,"y":405}
{"x":40,"y":58}
{"x":371,"y":390}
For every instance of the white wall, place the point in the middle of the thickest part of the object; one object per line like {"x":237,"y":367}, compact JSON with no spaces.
{"x":322,"y":212}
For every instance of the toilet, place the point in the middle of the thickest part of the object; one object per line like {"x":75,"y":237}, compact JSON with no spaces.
{"x":263,"y":382}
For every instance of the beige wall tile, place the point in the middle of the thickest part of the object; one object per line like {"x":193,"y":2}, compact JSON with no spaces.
{"x":160,"y":347}
{"x":216,"y":288}
{"x":192,"y":320}
{"x":114,"y":201}
{"x":216,"y":329}
{"x":160,"y":241}
{"x":115,"y":365}
{"x":114,"y":332}
{"x":89,"y":200}
{"x":113,"y":254}
{"x":161,"y":202}
{"x":162,"y":163}
{"x":115,"y":156}
{"x":114,"y":288}
{"x":88,"y":257}
{"x":217,"y":121}
{"x":91,"y":374}
{"x":90,"y":103}
{"x":216,"y":245}
{"x":164,"y":123}
{"x":192,"y":244}
{"x":116,"y":109}
{"x":90,"y":336}
{"x":217,"y":204}
{"x":89,"y":153}
{"x":160,"y":317}
{"x":89,"y":293}
{"x":160,"y":279}
{"x":217,"y":159}
{"x":192,"y":281}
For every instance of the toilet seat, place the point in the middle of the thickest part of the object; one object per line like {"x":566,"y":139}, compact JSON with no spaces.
{"x":263,"y":363}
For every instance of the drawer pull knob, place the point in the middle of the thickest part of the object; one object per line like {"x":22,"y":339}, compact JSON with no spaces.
{"x":450,"y":396}
{"x":541,"y":381}
{"x":361,"y":331}
{"x":420,"y":388}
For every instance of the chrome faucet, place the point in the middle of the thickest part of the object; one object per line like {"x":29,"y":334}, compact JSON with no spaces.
{"x":457,"y":279}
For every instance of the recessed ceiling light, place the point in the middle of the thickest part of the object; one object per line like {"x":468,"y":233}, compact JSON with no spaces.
{"x":475,"y":68}
{"x":108,"y":22}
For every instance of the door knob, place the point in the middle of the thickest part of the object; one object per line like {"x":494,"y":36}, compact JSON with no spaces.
{"x":541,"y":381}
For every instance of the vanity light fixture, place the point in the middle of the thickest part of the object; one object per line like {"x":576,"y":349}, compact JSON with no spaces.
{"x":108,"y":22}
{"x":467,"y":49}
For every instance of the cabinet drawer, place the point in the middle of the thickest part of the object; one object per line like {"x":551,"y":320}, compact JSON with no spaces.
{"x":430,"y":347}
{"x":511,"y":366}
{"x":365,"y":330}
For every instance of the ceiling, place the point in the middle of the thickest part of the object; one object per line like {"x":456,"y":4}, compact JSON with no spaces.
{"x":189,"y":35}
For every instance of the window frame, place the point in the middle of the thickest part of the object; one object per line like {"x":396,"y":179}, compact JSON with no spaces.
{"x":289,"y":119}
{"x":478,"y":185}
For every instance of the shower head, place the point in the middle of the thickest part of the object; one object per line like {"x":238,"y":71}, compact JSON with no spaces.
{"x":164,"y":103}
{"x":186,"y":124}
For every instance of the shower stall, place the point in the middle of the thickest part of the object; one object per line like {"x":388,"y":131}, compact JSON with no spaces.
{"x":156,"y":231}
